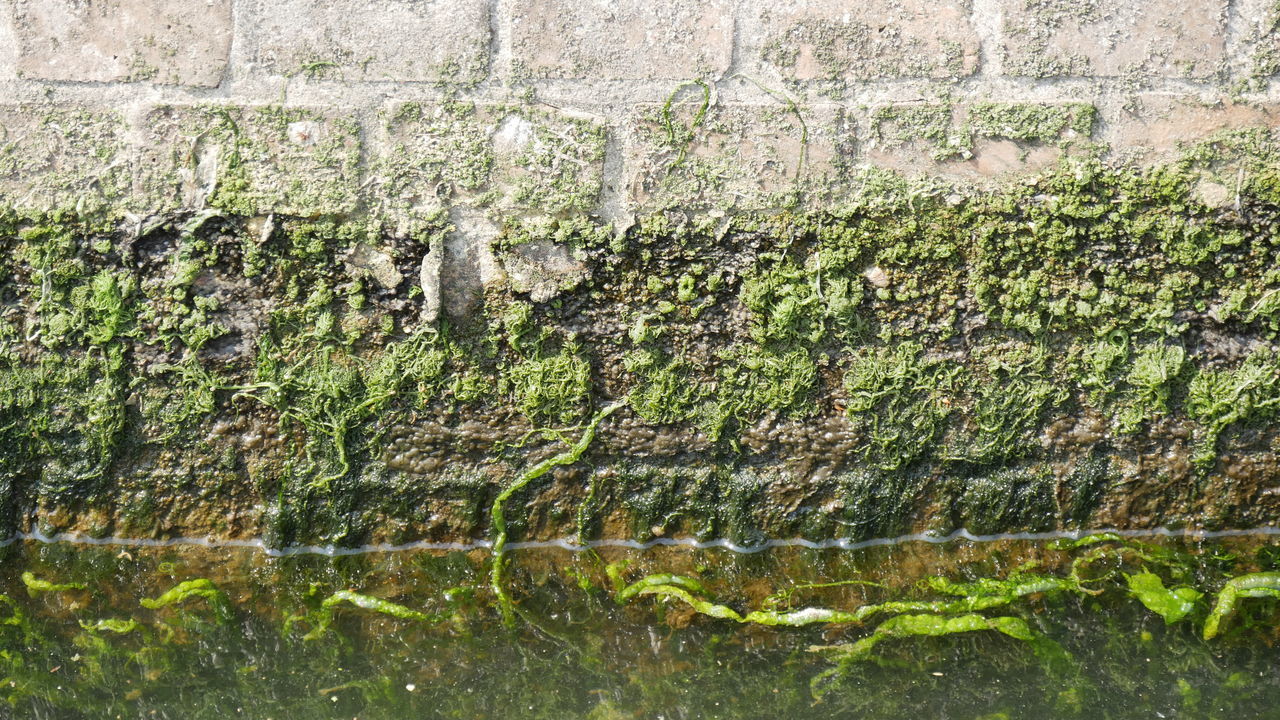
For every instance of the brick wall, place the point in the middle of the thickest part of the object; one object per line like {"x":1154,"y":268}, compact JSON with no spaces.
{"x":598,"y":107}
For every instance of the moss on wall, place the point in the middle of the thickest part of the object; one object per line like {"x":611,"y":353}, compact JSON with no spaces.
{"x":967,"y":349}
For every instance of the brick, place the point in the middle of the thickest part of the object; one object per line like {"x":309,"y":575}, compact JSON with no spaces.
{"x":174,"y":42}
{"x":250,"y":160}
{"x":1111,"y":38}
{"x":621,"y":40}
{"x":1256,"y":46}
{"x":63,"y":157}
{"x":1155,"y":128}
{"x":975,"y":140}
{"x":525,"y":159}
{"x":736,"y":157}
{"x":831,"y":43}
{"x":8,"y":46}
{"x":425,"y":40}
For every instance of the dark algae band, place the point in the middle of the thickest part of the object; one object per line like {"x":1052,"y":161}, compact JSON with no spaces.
{"x":1092,"y":346}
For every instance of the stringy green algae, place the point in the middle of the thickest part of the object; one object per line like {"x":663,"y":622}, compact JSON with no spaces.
{"x":199,"y":588}
{"x":1254,"y":585}
{"x":36,"y":586}
{"x":498,"y":517}
{"x":322,"y":618}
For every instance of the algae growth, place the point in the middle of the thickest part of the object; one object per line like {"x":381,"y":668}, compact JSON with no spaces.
{"x":1012,"y":628}
{"x":1072,"y":349}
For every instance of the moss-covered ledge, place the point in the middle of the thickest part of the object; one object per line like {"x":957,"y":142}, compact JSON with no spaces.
{"x":1093,"y":346}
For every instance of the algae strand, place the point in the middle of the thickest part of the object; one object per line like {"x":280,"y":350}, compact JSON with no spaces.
{"x":498,"y":517}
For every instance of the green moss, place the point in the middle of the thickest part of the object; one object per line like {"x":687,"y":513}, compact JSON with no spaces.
{"x":1219,"y":398}
{"x":800,"y":306}
{"x":754,"y":380}
{"x":550,"y":388}
{"x":1006,"y":501}
{"x":1033,"y":122}
{"x":900,"y":401}
{"x":667,"y":391}
{"x":1009,"y":393}
{"x":959,"y":331}
{"x":896,"y":125}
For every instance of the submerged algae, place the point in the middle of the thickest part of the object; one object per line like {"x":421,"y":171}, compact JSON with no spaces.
{"x":1096,"y":658}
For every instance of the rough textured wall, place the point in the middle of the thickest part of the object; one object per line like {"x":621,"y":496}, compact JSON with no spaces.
{"x":309,"y":271}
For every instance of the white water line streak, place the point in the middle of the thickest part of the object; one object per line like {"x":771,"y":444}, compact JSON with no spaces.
{"x":574,"y":546}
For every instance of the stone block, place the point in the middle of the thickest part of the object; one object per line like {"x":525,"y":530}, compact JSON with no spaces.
{"x":829,"y":44}
{"x":522,"y":159}
{"x":975,"y":140}
{"x":250,"y":160}
{"x":1114,"y":38}
{"x":621,"y":40}
{"x":398,"y":40}
{"x":175,"y":42}
{"x":721,"y":158}
{"x":1256,"y":44}
{"x":1156,"y":128}
{"x":63,"y":157}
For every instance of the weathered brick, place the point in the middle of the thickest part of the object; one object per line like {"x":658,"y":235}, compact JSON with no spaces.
{"x":1154,"y":128}
{"x":1109,"y":38}
{"x":59,"y":156}
{"x":975,"y":140}
{"x":180,"y":42}
{"x":829,"y":43}
{"x":1256,"y":45}
{"x":499,"y":157}
{"x":625,"y":39}
{"x":732,"y":157}
{"x":250,"y":160}
{"x":8,"y":46}
{"x":426,"y":40}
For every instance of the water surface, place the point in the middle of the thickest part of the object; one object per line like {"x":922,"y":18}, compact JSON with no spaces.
{"x":265,"y":651}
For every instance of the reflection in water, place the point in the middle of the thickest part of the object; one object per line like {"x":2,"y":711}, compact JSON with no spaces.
{"x":1113,"y":629}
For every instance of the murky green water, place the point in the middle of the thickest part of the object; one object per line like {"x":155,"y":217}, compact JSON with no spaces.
{"x":254,"y":640}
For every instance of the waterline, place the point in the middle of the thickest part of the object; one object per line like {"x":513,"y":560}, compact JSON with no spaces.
{"x":577,"y":546}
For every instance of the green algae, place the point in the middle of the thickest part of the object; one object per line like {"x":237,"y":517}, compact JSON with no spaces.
{"x":1218,"y":398}
{"x":1032,"y":122}
{"x":1172,"y":604}
{"x":1095,"y":284}
{"x":322,"y":618}
{"x":936,"y":626}
{"x":112,"y":625}
{"x":1086,"y":659}
{"x":35,"y":585}
{"x":1252,"y":585}
{"x":900,"y":399}
{"x":198,"y":588}
{"x":497,"y":510}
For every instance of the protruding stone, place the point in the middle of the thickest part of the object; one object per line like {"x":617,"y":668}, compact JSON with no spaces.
{"x":429,"y":281}
{"x":368,"y":260}
{"x":467,"y":265}
{"x":543,"y":269}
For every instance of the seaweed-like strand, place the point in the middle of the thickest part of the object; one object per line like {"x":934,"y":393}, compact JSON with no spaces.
{"x":499,"y":519}
{"x":1253,"y":585}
